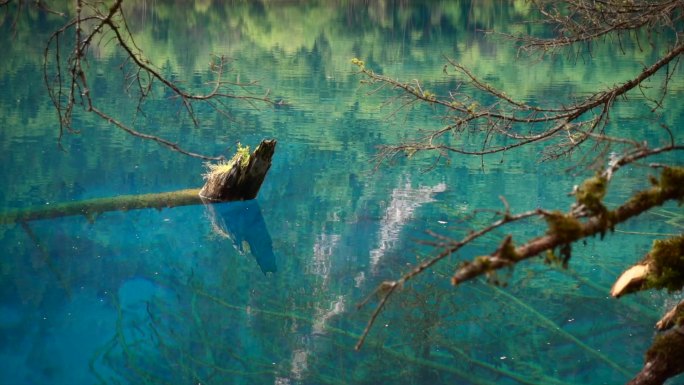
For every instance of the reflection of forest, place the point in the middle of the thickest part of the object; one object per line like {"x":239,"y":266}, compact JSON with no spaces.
{"x":301,"y":50}
{"x":330,"y":33}
{"x":266,"y":23}
{"x":269,"y":34}
{"x":209,"y":314}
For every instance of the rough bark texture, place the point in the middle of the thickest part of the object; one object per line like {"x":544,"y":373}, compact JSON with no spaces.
{"x":664,"y":359}
{"x":240,"y":182}
{"x":673,"y":317}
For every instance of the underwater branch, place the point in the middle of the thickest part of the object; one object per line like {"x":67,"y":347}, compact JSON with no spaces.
{"x":66,"y":74}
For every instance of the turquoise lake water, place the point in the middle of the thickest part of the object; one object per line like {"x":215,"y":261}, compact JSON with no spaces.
{"x":265,"y":291}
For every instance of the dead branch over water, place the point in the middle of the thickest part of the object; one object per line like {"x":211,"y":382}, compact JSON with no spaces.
{"x":66,"y":76}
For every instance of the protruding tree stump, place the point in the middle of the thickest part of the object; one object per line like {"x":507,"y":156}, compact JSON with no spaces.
{"x":240,"y":178}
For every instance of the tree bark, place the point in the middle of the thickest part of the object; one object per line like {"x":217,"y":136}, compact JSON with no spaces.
{"x":631,"y":280}
{"x":663,"y":359}
{"x":240,"y":182}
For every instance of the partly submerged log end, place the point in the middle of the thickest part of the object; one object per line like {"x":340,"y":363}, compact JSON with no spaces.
{"x":241,"y":177}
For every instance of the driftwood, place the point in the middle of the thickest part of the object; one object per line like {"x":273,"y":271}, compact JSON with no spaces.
{"x":239,"y":181}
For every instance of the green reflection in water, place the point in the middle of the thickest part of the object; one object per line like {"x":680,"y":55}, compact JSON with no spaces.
{"x":175,"y":296}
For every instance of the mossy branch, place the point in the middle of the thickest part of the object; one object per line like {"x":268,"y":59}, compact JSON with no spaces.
{"x":563,"y":230}
{"x":661,"y":268}
{"x":566,"y":228}
{"x":663,"y":359}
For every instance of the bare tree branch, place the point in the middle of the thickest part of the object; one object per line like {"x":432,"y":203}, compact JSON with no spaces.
{"x":508,"y":117}
{"x":67,"y":81}
{"x":581,"y":21}
{"x":564,"y":229}
{"x":389,"y":287}
{"x":507,"y":123}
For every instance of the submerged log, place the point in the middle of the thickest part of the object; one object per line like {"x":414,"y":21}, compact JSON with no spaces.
{"x":91,"y":208}
{"x":240,"y":181}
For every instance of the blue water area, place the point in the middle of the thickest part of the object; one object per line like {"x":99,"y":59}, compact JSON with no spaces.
{"x":266,"y":291}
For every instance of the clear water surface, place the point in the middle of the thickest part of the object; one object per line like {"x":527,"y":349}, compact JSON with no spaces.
{"x":265,"y":292}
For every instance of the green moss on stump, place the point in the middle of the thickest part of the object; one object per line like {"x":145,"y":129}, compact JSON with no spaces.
{"x":241,"y":155}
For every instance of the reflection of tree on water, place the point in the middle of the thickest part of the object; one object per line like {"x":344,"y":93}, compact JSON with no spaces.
{"x":243,"y":224}
{"x":404,"y":201}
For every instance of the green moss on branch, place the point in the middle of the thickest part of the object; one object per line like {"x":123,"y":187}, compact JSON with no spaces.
{"x":565,"y":227}
{"x":591,"y":192}
{"x":666,"y":261}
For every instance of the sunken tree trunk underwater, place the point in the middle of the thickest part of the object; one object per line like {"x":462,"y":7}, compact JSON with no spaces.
{"x":235,"y":180}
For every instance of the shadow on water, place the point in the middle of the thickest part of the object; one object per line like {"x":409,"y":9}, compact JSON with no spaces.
{"x":243,"y":223}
